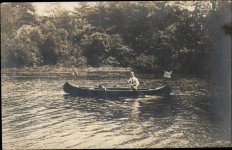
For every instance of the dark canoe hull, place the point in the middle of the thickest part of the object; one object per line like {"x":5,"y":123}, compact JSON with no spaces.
{"x":114,"y":92}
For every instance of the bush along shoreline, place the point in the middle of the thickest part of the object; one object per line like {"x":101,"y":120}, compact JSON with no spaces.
{"x":148,"y":37}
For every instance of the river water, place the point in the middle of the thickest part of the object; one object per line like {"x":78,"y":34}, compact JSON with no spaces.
{"x":36,"y":113}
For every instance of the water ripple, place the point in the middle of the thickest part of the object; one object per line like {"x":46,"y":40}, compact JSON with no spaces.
{"x":36,"y":114}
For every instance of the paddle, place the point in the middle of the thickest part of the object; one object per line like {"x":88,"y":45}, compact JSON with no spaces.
{"x":141,"y":93}
{"x":136,"y":90}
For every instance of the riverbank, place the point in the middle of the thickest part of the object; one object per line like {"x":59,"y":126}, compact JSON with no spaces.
{"x":69,"y":71}
{"x":49,"y":71}
{"x":53,"y":70}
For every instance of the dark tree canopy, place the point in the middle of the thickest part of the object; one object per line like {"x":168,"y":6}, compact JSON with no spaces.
{"x":187,"y":37}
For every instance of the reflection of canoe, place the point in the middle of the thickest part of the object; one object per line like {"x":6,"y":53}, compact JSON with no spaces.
{"x":114,"y":92}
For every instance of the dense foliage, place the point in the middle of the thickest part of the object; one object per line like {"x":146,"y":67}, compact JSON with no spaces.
{"x":147,"y":36}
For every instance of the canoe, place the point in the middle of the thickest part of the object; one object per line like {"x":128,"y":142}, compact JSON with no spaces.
{"x":114,"y":92}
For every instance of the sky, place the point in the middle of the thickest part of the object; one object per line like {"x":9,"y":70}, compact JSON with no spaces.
{"x":42,"y":7}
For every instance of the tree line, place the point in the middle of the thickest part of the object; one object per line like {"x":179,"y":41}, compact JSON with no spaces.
{"x":152,"y":36}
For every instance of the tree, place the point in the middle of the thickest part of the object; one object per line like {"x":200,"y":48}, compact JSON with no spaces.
{"x":14,"y":15}
{"x":17,"y":50}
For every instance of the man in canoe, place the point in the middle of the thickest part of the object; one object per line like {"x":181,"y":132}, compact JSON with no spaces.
{"x":133,"y":81}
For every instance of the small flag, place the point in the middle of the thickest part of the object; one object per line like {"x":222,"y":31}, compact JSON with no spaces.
{"x":167,"y":74}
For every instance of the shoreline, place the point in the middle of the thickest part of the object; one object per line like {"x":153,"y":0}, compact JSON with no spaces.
{"x":62,"y":71}
{"x":81,"y":71}
{"x":57,"y":71}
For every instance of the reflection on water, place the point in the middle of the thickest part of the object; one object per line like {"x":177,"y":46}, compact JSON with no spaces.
{"x":36,"y":113}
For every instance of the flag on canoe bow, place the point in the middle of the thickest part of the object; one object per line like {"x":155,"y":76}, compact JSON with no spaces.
{"x":167,"y":74}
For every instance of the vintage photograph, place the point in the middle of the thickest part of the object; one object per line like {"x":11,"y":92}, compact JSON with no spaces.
{"x":117,"y":74}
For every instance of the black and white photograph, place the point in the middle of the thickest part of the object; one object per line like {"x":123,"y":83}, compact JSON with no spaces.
{"x":116,"y":74}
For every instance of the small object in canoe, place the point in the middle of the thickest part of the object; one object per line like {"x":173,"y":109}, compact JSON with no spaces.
{"x":75,"y":73}
{"x":115,"y":92}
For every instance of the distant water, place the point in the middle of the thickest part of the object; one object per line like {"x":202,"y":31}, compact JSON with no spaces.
{"x":36,"y":113}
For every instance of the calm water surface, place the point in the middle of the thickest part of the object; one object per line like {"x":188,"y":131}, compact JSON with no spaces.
{"x":36,"y":113}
